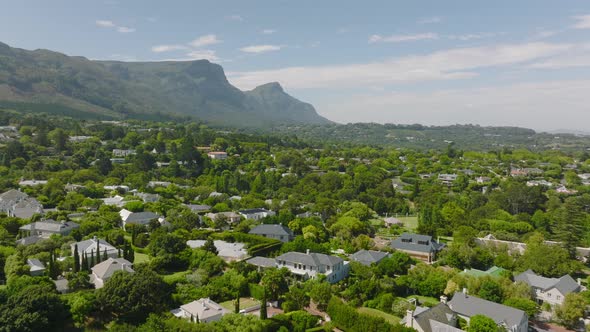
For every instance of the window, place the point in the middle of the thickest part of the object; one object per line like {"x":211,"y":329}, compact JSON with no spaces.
{"x":558,"y":297}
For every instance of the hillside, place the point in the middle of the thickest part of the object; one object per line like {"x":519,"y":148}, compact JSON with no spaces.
{"x":47,"y":81}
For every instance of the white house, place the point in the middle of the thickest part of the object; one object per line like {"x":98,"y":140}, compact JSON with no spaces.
{"x":89,"y":247}
{"x":310,"y":265}
{"x":36,"y":268}
{"x":103,"y":271}
{"x":140,"y":218}
{"x":549,"y":290}
{"x":256,"y":214}
{"x":46,"y":228}
{"x":202,"y":311}
{"x":217,"y":155}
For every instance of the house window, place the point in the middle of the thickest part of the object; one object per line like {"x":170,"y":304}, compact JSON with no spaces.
{"x":558,"y":298}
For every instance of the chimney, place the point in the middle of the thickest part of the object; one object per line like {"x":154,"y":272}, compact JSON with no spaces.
{"x":579,"y":282}
{"x":123,"y":266}
{"x":410,"y":318}
{"x":307,"y":251}
{"x":95,"y":238}
{"x":443,"y":299}
{"x":465,"y":291}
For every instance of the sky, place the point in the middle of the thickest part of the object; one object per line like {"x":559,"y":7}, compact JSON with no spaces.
{"x":517,"y":63}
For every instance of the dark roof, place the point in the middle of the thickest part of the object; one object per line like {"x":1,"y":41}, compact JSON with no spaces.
{"x":564,"y":285}
{"x":141,"y":217}
{"x":467,"y":305}
{"x":262,"y":261}
{"x":416,"y":242}
{"x":311,"y":259}
{"x":368,"y":257}
{"x":440,"y":313}
{"x":272,"y":229}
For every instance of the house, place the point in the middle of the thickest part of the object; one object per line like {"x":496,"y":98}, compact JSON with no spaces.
{"x":36,"y":267}
{"x":139,"y":218}
{"x":549,"y":290}
{"x":89,"y":247}
{"x":421,"y":247}
{"x":104,"y":270}
{"x":46,"y":228}
{"x":467,"y":306}
{"x":274,"y":231}
{"x":32,"y":183}
{"x":15,"y":203}
{"x":154,"y":184}
{"x":147,"y":197}
{"x":483,"y":179}
{"x":123,"y":153}
{"x":117,"y":188}
{"x":447,"y":179}
{"x":256,"y":214}
{"x":201,"y":311}
{"x":368,"y":257}
{"x":229,"y":251}
{"x":537,"y":183}
{"x":262,"y":262}
{"x":439,"y":318}
{"x":493,"y":271}
{"x":389,"y":222}
{"x":77,"y":139}
{"x":310,"y":265}
{"x":564,"y":190}
{"x":231,"y":217}
{"x":217,"y":155}
{"x":116,"y":201}
{"x":196,"y":208}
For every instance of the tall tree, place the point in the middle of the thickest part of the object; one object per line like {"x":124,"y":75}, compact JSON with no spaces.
{"x":76,"y":259}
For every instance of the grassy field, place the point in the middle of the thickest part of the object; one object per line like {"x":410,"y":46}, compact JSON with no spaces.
{"x":245,"y":302}
{"x":174,"y":276}
{"x":141,"y":258}
{"x":424,"y":299}
{"x":378,"y":313}
{"x":410,"y":223}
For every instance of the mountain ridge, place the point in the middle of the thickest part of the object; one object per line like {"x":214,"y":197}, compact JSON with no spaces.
{"x":116,"y":89}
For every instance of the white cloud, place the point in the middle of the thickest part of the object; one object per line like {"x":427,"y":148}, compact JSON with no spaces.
{"x":471,"y":36}
{"x":125,"y":29}
{"x":268,"y":31}
{"x":260,"y":48}
{"x":105,"y":24}
{"x":542,"y":34}
{"x":112,"y":25}
{"x":205,"y":41}
{"x":451,"y":64}
{"x":234,"y":17}
{"x":583,"y":22}
{"x":168,"y":48}
{"x":402,"y":38}
{"x":530,"y":104}
{"x":430,"y":20}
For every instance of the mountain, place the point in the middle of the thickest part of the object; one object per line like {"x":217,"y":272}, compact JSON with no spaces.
{"x":47,"y":81}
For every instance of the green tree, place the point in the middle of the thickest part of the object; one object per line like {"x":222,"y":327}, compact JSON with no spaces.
{"x":321,"y":293}
{"x":481,"y":323}
{"x":572,"y":310}
{"x":36,"y":308}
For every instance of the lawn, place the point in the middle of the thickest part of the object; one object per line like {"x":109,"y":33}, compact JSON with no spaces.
{"x":378,"y":313}
{"x":245,"y":302}
{"x":424,"y":299}
{"x":141,"y":258}
{"x":169,"y":278}
{"x":410,"y":223}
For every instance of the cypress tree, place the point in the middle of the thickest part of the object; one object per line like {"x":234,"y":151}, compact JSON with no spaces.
{"x":131,"y":257}
{"x":91,"y":263}
{"x":104,"y":255}
{"x":76,"y":259}
{"x":97,"y":259}
{"x":263,"y":314}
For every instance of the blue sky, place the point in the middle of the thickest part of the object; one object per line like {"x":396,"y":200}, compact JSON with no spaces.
{"x":524,"y":63}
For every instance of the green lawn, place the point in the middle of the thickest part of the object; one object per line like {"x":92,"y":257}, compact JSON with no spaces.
{"x":175,"y":276}
{"x":245,"y":302}
{"x":410,"y":223}
{"x":424,"y":299}
{"x":141,"y":258}
{"x":378,"y":313}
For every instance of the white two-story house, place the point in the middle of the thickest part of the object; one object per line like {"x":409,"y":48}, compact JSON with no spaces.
{"x":549,"y":290}
{"x":310,"y":265}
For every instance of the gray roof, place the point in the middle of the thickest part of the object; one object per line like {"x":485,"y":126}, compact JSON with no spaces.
{"x":90,"y":246}
{"x":368,"y":257}
{"x":467,"y":305}
{"x":141,"y":217}
{"x":311,"y":259}
{"x":252,"y":211}
{"x":564,"y":285}
{"x":271,"y":229}
{"x":105,"y":269}
{"x":262,"y":261}
{"x":440,"y":313}
{"x":204,"y":308}
{"x":51,"y":225}
{"x":25,"y":241}
{"x":416,"y":242}
{"x":35,"y":264}
{"x":198,"y":207}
